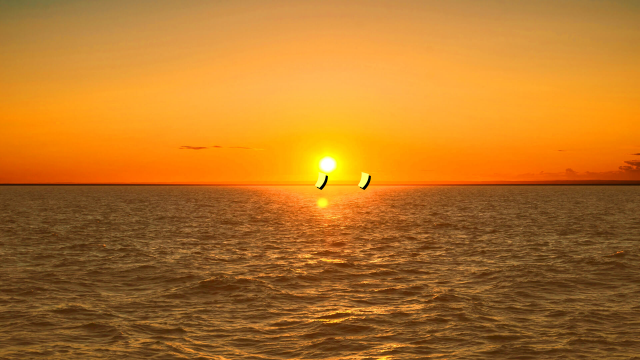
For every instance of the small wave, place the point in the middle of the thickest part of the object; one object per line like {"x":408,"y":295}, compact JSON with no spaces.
{"x":152,"y":329}
{"x":443,"y":225}
{"x":338,"y":244}
{"x":223,"y":285}
{"x":446,"y":298}
{"x":389,"y":290}
{"x":286,"y":323}
{"x":42,"y":323}
{"x":335,"y":315}
{"x":503,"y":338}
{"x":99,"y":328}
{"x":383,"y":273}
{"x":81,"y":311}
{"x":345,"y":329}
{"x":73,"y":309}
{"x":181,"y":279}
{"x":621,"y":253}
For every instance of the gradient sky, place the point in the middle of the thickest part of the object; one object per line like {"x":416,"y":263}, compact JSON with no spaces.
{"x":126,"y":91}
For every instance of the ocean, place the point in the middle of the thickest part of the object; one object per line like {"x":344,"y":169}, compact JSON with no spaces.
{"x":212,"y":272}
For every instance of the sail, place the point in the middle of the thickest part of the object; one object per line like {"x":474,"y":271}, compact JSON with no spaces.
{"x":365,"y":180}
{"x":322,"y":181}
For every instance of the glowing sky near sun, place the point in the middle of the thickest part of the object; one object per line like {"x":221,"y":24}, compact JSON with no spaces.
{"x":252,"y":91}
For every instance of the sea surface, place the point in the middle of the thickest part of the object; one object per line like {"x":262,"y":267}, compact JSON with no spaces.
{"x":205,"y":272}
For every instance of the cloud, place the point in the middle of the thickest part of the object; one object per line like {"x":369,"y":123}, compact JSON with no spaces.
{"x":216,"y":146}
{"x":185,"y":147}
{"x":638,"y":154}
{"x":630,"y":171}
{"x":635,"y":163}
{"x":562,"y":150}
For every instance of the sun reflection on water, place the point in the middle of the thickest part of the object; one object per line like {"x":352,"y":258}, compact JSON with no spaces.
{"x":322,"y":203}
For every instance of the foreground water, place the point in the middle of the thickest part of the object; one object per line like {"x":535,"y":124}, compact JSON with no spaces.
{"x":267,"y":273}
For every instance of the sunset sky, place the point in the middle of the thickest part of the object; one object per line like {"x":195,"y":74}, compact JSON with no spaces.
{"x":260,"y":91}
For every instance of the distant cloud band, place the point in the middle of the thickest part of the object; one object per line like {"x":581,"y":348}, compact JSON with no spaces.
{"x":185,"y":147}
{"x":630,"y":171}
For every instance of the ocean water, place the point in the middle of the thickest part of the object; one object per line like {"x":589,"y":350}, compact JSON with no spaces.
{"x":197,"y":272}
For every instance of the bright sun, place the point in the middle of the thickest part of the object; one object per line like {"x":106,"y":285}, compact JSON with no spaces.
{"x":327,"y":164}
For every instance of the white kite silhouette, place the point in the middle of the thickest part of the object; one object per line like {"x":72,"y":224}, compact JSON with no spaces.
{"x":365,"y":180}
{"x":322,"y":180}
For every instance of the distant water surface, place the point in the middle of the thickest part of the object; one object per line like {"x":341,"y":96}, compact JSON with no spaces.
{"x":195,"y":272}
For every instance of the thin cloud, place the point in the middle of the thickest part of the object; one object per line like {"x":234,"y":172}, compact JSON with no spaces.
{"x":630,"y":171}
{"x":186,"y":147}
{"x":638,"y":154}
{"x":635,"y":163}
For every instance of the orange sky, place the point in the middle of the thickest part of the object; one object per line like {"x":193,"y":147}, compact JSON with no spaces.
{"x":109,"y":91}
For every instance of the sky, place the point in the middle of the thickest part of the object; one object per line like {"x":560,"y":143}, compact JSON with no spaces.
{"x":260,"y":91}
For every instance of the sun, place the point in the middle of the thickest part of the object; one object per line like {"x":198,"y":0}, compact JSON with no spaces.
{"x":327,"y":164}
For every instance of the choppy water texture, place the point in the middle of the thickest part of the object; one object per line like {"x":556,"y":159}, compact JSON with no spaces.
{"x":265,"y":273}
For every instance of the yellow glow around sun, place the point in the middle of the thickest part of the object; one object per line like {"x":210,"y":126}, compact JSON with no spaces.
{"x":327,"y":164}
{"x":322,"y":202}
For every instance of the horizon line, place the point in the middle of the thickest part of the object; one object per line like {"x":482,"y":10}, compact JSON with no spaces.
{"x":408,"y":183}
